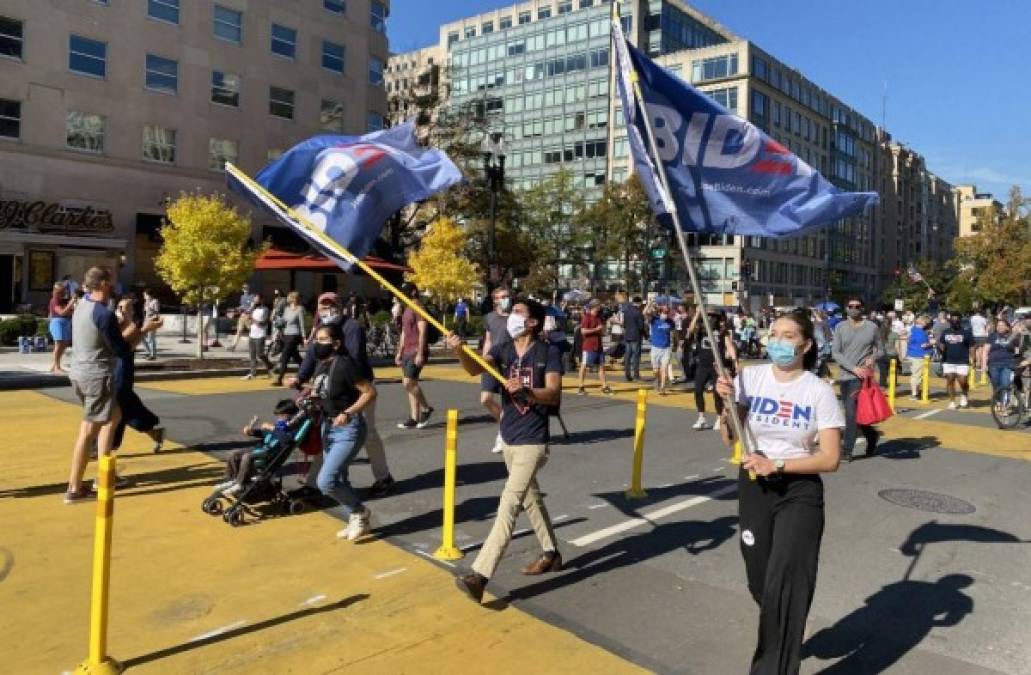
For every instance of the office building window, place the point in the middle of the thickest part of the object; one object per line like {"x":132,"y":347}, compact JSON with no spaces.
{"x":220,"y":151}
{"x":470,"y":32}
{"x":759,"y":104}
{"x":452,"y":38}
{"x":565,"y":7}
{"x":714,"y":68}
{"x":487,"y":27}
{"x":163,"y":10}
{"x":506,"y":22}
{"x":376,"y":72}
{"x":228,"y":24}
{"x":335,"y":6}
{"x":159,"y":144}
{"x":378,"y":16}
{"x":760,"y":68}
{"x":584,"y":4}
{"x":374,"y":122}
{"x":333,"y":57}
{"x":331,"y":116}
{"x":225,"y":88}
{"x":281,"y":103}
{"x":84,"y":131}
{"x":88,"y":57}
{"x":284,"y":41}
{"x":162,"y":74}
{"x":524,"y":18}
{"x":725,"y":97}
{"x":544,"y":12}
{"x":11,"y":37}
{"x":776,"y":113}
{"x":10,"y":118}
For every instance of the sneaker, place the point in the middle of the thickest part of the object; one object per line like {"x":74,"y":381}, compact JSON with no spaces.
{"x":407,"y":424}
{"x":606,"y":390}
{"x":83,"y":494}
{"x":382,"y":488}
{"x":424,"y":418}
{"x":357,"y":525}
{"x":121,"y":482}
{"x":716,"y":424}
{"x":232,"y":490}
{"x":952,"y":405}
{"x":248,"y":376}
{"x":963,"y":402}
{"x":160,"y":440}
{"x":581,"y":391}
{"x":914,"y":397}
{"x":498,"y":445}
{"x":699,"y":423}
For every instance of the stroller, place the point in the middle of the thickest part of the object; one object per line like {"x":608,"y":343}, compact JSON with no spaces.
{"x":265,"y":485}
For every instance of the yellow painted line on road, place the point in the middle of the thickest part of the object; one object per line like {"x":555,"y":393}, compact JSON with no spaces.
{"x":189,"y":594}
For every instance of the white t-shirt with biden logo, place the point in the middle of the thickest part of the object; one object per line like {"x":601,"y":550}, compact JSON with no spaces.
{"x":784,"y":417}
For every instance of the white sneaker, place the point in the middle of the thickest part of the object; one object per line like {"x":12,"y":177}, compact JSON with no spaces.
{"x":357,"y":525}
{"x":247,"y":377}
{"x":963,"y":402}
{"x":716,"y":425}
{"x":498,"y":445}
{"x":700,"y":423}
{"x":952,"y":405}
{"x":224,"y":485}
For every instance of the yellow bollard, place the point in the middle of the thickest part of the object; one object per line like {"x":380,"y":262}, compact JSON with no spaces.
{"x":892,"y":377}
{"x":736,"y":458}
{"x":98,"y":662}
{"x":636,"y":491}
{"x":984,"y":377}
{"x":925,"y":389}
{"x":971,"y":378}
{"x":448,"y":550}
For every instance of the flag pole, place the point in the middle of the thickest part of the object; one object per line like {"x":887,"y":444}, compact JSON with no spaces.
{"x":335,"y":246}
{"x":747,"y":442}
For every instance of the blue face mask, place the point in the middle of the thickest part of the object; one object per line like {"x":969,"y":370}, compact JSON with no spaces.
{"x":781,"y":352}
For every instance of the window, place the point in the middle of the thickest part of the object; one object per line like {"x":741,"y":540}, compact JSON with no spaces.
{"x":281,"y":103}
{"x":516,"y":48}
{"x":228,"y":24}
{"x":84,"y":131}
{"x":220,"y":151}
{"x":284,"y":41}
{"x":759,"y":104}
{"x":776,"y":113}
{"x":600,"y":58}
{"x":376,"y":73}
{"x":88,"y":57}
{"x":565,"y":7}
{"x":760,"y":68}
{"x":725,"y":97}
{"x":374,"y":121}
{"x":225,"y":88}
{"x":452,"y":38}
{"x":524,"y":18}
{"x":544,"y":12}
{"x":714,"y":68}
{"x":10,"y":118}
{"x":162,"y":74}
{"x":11,"y":37}
{"x":506,"y":22}
{"x":331,"y":116}
{"x":163,"y":10}
{"x":584,"y":4}
{"x":378,"y":16}
{"x":335,"y":6}
{"x":333,"y":58}
{"x":470,"y":32}
{"x":159,"y":144}
{"x":487,"y":27}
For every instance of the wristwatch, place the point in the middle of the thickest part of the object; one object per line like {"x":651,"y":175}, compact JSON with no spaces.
{"x":778,"y":464}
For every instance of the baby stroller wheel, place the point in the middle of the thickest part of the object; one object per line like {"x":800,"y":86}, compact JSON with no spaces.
{"x":295,"y":507}
{"x":212,"y":506}
{"x":234,"y":517}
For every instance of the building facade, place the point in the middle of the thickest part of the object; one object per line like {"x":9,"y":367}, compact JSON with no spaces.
{"x":413,"y":78}
{"x":109,"y":109}
{"x":972,"y":207}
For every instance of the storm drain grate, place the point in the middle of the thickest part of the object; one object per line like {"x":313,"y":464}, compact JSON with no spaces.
{"x":921,"y":500}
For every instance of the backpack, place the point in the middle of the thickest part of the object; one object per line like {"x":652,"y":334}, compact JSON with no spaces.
{"x":432,"y":334}
{"x":540,"y":364}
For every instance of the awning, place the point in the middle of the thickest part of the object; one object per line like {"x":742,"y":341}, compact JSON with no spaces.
{"x":278,"y":259}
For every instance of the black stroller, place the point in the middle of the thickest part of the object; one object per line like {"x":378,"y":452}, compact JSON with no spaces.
{"x":270,"y":465}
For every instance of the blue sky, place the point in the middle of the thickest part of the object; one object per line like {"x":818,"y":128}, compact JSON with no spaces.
{"x":956,"y":71}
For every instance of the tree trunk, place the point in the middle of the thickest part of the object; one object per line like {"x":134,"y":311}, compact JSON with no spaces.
{"x":200,"y":330}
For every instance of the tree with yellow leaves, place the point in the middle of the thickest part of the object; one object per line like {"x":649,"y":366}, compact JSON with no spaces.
{"x":205,"y":254}
{"x":438,"y":266}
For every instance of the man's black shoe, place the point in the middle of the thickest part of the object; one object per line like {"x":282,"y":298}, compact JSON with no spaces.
{"x":472,"y":585}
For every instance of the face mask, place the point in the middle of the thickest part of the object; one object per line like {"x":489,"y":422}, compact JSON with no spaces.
{"x":855,"y":312}
{"x":329,"y":316}
{"x":781,"y":352}
{"x":505,"y":304}
{"x":323,"y":350}
{"x":955,"y":324}
{"x":516,"y":325}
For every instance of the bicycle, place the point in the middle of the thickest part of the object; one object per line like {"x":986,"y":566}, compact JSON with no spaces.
{"x":382,"y":341}
{"x":1011,"y":405}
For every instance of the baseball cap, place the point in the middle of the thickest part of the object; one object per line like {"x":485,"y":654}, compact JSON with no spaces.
{"x":329,"y":298}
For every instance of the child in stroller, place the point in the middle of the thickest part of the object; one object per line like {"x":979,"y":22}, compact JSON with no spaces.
{"x":255,"y":475}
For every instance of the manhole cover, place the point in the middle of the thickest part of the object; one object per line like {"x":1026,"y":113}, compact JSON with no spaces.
{"x":926,"y":501}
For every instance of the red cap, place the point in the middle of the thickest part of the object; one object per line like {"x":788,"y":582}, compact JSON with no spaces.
{"x":329,"y":298}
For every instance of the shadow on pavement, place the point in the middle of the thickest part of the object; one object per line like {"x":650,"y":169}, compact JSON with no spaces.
{"x":589,"y":436}
{"x":477,"y":508}
{"x":243,"y":630}
{"x":165,"y":480}
{"x":904,"y":448}
{"x":695,"y":488}
{"x":468,"y":474}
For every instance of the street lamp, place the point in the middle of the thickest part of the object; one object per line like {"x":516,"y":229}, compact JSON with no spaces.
{"x":493,"y":149}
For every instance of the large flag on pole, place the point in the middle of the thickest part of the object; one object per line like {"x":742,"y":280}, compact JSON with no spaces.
{"x":348,"y":186}
{"x":724,"y":174}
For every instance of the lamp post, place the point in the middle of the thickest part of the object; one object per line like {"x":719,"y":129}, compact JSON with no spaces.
{"x":493,"y":149}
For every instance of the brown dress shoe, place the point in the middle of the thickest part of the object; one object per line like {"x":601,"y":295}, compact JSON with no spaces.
{"x":472,"y":585}
{"x":546,"y":563}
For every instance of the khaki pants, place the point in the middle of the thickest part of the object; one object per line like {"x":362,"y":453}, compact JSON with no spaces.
{"x":520,"y":493}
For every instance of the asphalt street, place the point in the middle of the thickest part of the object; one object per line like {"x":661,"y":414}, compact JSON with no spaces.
{"x":659,"y":581}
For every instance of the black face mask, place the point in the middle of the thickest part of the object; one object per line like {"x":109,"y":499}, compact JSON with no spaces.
{"x":955,"y":324}
{"x":323,"y":350}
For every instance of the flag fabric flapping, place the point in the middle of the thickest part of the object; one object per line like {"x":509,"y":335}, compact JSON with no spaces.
{"x":914,"y":275}
{"x":724,"y":175}
{"x":348,"y":186}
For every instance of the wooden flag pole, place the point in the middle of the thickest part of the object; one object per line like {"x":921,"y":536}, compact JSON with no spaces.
{"x":325,"y":240}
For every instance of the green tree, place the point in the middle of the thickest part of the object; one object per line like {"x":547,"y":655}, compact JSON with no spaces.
{"x":996,"y":262}
{"x":205,"y":251}
{"x":617,"y":226}
{"x":550,"y":214}
{"x":437,"y":266}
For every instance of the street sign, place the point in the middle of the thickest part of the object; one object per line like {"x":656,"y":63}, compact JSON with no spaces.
{"x":900,"y":304}
{"x":658,"y":253}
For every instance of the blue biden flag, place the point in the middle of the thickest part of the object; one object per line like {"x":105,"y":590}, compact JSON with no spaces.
{"x":725,"y":175}
{"x":348,"y":186}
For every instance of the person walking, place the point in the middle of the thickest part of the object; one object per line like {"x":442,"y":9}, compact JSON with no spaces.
{"x":999,"y":355}
{"x":955,"y":348}
{"x":781,"y":511}
{"x":533,"y":370}
{"x":135,"y":413}
{"x":151,"y":313}
{"x":344,"y":393}
{"x":633,"y":334}
{"x":293,"y":328}
{"x":461,"y":317}
{"x":259,"y":321}
{"x":243,"y":314}
{"x":412,"y":353}
{"x":495,"y":334}
{"x":660,"y":327}
{"x":918,"y":348}
{"x":330,"y":313}
{"x":705,"y":362}
{"x":59,"y":310}
{"x":979,"y":328}
{"x":591,"y":328}
{"x":856,"y":347}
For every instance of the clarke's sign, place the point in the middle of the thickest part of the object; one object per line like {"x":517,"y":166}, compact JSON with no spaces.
{"x":44,"y":217}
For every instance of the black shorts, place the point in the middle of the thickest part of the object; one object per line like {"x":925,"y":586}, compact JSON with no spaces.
{"x":489,"y":384}
{"x":409,"y":370}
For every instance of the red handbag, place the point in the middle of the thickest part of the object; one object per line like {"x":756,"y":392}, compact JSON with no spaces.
{"x":871,"y":404}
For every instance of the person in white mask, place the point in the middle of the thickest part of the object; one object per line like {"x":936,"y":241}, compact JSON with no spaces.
{"x":495,"y":334}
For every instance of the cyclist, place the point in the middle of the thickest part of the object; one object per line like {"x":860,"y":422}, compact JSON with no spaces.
{"x":999,"y":355}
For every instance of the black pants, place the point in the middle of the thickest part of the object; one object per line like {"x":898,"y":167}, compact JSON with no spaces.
{"x":781,"y":527}
{"x":135,"y":414}
{"x":849,"y":389}
{"x":291,"y":343}
{"x":704,"y":373}
{"x":632,"y":360}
